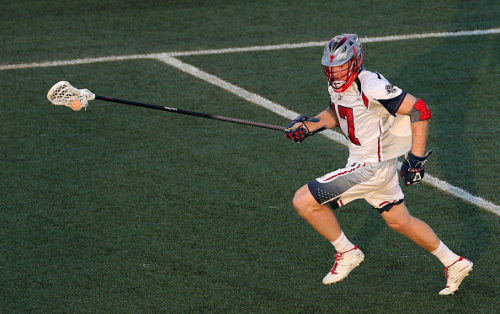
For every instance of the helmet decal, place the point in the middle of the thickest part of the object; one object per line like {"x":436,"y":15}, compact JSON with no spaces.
{"x":343,"y":40}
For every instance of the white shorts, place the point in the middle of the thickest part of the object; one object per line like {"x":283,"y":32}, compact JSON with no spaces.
{"x":377,"y":183}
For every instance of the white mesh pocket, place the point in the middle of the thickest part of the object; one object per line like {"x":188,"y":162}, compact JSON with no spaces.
{"x":64,"y":94}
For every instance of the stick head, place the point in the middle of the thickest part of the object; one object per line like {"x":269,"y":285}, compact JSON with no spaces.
{"x":63,"y":93}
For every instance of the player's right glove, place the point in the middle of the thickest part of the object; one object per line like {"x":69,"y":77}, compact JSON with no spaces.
{"x":413,"y":168}
{"x":298,"y":130}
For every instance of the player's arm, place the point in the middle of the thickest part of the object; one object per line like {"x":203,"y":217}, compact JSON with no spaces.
{"x":419,"y":116}
{"x":326,"y":119}
{"x":412,"y":169}
{"x":303,"y":126}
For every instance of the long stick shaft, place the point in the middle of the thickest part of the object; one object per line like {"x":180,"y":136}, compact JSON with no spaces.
{"x":192,"y":113}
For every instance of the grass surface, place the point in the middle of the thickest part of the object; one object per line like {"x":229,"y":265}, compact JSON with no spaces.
{"x":122,"y":209}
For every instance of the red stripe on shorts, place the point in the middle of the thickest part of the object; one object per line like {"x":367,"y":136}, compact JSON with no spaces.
{"x":342,"y":173}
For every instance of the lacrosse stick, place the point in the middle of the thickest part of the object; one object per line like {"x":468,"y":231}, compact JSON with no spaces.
{"x":64,"y":94}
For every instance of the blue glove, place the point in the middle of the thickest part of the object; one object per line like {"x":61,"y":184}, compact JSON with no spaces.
{"x":298,"y":131}
{"x":413,"y":168}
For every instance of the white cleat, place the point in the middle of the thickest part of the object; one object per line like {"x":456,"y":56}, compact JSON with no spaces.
{"x":344,"y":263}
{"x":455,"y":273}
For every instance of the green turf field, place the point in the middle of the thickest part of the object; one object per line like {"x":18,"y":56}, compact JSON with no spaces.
{"x":124,"y":209}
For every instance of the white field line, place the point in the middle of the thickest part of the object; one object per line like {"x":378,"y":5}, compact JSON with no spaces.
{"x":243,"y":93}
{"x":76,"y":61}
{"x":322,"y":43}
{"x":243,"y":49}
{"x":289,"y":114}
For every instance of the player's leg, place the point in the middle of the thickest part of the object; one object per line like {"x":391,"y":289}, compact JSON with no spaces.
{"x":389,"y":200}
{"x":323,"y":220}
{"x":456,"y":267}
{"x":399,"y":219}
{"x":311,"y":199}
{"x":320,"y":217}
{"x":310,"y":202}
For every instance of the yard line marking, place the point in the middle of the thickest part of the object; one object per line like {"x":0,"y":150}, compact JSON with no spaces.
{"x":460,"y":193}
{"x":243,"y":49}
{"x":322,"y":43}
{"x":76,"y":61}
{"x":243,"y":93}
{"x":332,"y":135}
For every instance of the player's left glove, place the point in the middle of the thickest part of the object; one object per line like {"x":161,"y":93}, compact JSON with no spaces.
{"x":298,"y":130}
{"x":413,"y":168}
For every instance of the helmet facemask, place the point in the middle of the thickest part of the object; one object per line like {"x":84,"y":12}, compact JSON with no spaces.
{"x":342,"y":61}
{"x":338,"y":76}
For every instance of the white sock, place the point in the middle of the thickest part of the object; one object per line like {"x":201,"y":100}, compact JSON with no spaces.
{"x":445,"y":255}
{"x":342,"y":244}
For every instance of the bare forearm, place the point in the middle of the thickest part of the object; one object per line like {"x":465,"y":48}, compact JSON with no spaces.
{"x":418,"y":128}
{"x":419,"y":137}
{"x":326,"y":120}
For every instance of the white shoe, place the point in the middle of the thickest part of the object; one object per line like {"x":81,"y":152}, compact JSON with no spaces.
{"x":455,"y":273}
{"x":344,"y":263}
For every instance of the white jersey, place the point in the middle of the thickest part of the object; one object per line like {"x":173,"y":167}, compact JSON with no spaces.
{"x":366,"y":113}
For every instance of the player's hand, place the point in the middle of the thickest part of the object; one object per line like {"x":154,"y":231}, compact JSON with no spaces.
{"x":298,"y":130}
{"x":413,"y":168}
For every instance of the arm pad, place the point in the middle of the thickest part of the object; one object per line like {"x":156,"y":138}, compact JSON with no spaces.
{"x":419,"y":112}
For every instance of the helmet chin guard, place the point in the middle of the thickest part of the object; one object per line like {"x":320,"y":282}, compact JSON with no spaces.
{"x":340,"y":50}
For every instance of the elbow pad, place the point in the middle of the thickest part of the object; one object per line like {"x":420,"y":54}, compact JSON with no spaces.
{"x":419,"y":112}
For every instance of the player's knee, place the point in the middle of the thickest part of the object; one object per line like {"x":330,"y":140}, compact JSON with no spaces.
{"x":299,"y":203}
{"x":398,"y":218}
{"x":304,"y":203}
{"x":401,"y":224}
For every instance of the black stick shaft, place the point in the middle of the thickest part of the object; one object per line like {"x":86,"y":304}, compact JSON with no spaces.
{"x":193,"y":113}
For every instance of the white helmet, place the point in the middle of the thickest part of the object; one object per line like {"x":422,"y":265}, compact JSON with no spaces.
{"x":340,"y":50}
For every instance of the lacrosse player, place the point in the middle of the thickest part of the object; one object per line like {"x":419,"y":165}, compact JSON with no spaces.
{"x":382,"y":122}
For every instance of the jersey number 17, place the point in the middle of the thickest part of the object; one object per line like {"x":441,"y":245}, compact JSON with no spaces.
{"x":347,"y":114}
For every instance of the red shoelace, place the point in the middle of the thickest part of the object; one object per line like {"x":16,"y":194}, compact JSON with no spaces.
{"x":338,"y":257}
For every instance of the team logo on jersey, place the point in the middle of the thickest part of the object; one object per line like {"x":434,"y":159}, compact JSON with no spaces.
{"x":390,"y":89}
